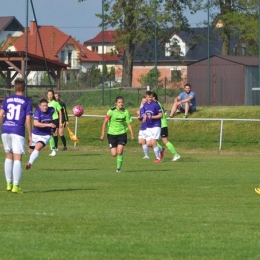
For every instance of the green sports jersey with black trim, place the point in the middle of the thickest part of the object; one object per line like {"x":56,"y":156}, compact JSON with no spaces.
{"x":118,"y":121}
{"x":164,"y":122}
{"x":56,"y":107}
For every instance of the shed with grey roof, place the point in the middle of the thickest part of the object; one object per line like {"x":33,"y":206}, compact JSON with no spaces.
{"x":229,"y":81}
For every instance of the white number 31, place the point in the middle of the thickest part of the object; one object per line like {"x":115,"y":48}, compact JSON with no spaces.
{"x":13,"y":112}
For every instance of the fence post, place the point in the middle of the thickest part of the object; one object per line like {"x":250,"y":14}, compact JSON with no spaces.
{"x":221,"y":133}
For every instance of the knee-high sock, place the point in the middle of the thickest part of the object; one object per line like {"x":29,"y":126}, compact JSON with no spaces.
{"x":34,"y":155}
{"x":156,"y":152}
{"x":8,"y":170}
{"x":145,"y":149}
{"x":119,"y":161}
{"x":17,"y":172}
{"x":55,"y":141}
{"x":171,"y":148}
{"x":52,"y":144}
{"x":63,"y":139}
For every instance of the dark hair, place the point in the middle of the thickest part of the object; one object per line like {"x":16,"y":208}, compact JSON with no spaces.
{"x":155,"y":96}
{"x":148,"y":92}
{"x":188,"y":85}
{"x":43,"y":100}
{"x":119,"y":97}
{"x":51,"y":90}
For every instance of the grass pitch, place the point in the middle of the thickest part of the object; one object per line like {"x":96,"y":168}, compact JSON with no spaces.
{"x":76,"y":207}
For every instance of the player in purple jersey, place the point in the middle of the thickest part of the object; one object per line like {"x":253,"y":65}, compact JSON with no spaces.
{"x":15,"y":113}
{"x":151,"y":113}
{"x":42,"y":130}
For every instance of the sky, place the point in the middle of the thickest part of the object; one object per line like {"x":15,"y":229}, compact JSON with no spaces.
{"x":71,"y":17}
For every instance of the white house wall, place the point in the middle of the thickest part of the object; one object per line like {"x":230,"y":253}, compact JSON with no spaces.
{"x":5,"y":34}
{"x":69,"y":48}
{"x":183,"y":46}
{"x":107,"y":48}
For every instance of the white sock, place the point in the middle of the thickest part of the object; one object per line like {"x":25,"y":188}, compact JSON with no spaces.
{"x":8,"y":170}
{"x":33,"y":156}
{"x":156,"y":152}
{"x":145,"y":149}
{"x":17,"y":171}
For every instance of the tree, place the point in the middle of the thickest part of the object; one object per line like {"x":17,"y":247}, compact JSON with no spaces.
{"x":239,"y":18}
{"x":112,"y":73}
{"x":134,"y":21}
{"x":151,"y":78}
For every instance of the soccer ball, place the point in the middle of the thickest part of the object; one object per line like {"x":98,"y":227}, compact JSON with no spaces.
{"x":77,"y":110}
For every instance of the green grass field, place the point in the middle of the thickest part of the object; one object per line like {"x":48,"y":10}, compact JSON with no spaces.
{"x":76,"y":207}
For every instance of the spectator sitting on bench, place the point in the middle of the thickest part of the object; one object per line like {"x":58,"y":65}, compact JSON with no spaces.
{"x":185,"y":102}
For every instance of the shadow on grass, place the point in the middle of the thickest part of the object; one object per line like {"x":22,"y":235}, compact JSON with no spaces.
{"x":57,"y":190}
{"x":147,"y":171}
{"x":182,"y":159}
{"x":85,"y":154}
{"x":71,"y":170}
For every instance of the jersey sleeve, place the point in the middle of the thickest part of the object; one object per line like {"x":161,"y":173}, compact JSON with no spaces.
{"x":142,"y":111}
{"x":29,"y":108}
{"x":4,"y":106}
{"x":181,"y":95}
{"x":36,"y":115}
{"x":109,"y":113}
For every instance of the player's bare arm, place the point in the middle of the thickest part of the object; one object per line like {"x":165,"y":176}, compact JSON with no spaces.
{"x":28,"y":123}
{"x":157,"y":116}
{"x":131,"y":131}
{"x":1,"y":116}
{"x":103,"y":129}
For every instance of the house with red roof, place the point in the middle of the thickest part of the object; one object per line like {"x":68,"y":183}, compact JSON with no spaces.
{"x":173,"y":56}
{"x":9,"y":27}
{"x":53,"y":44}
{"x":104,"y":45}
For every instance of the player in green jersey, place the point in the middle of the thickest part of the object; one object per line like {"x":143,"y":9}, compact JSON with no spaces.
{"x":57,"y":120}
{"x":118,"y":121}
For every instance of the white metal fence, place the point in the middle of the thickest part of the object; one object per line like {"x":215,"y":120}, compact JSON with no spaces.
{"x":221,"y":121}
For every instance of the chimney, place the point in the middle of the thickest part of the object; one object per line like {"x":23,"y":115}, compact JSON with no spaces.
{"x":33,"y":27}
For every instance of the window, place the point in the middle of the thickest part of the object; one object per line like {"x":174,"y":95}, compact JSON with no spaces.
{"x":243,"y":50}
{"x":69,"y":57}
{"x":95,"y":49}
{"x":175,"y":75}
{"x":62,"y":56}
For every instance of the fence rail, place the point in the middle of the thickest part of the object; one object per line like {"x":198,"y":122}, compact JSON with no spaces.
{"x":221,"y":120}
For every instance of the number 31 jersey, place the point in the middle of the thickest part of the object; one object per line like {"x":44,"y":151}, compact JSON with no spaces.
{"x":16,"y":109}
